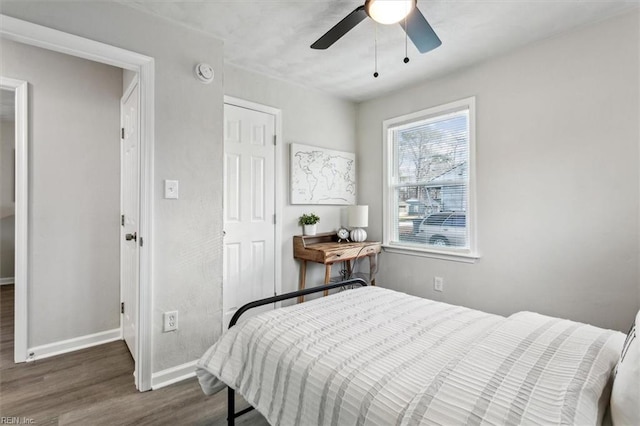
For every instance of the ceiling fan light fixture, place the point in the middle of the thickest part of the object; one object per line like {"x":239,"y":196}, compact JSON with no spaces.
{"x":389,"y":11}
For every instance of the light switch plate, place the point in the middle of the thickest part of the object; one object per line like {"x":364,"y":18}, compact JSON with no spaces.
{"x":171,"y":189}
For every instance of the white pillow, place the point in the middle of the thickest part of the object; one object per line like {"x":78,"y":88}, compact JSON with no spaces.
{"x":625,"y":395}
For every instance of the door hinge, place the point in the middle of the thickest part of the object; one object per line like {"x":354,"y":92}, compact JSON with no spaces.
{"x":141,"y":243}
{"x":122,"y":307}
{"x":122,"y":219}
{"x":275,"y":138}
{"x":122,"y":133}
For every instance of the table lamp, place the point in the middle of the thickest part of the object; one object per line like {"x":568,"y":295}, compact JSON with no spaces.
{"x":358,"y":219}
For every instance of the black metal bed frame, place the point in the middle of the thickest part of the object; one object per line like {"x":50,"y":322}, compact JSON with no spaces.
{"x":231,"y":393}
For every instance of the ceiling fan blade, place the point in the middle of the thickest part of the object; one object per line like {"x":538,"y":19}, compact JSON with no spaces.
{"x":420,"y":32}
{"x":340,"y":29}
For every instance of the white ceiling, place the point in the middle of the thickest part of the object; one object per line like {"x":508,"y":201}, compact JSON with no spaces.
{"x":272,"y":37}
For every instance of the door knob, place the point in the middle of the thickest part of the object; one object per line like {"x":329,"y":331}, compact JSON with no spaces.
{"x":130,"y":237}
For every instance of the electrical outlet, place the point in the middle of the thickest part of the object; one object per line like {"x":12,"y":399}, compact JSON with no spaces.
{"x":170,"y":321}
{"x":438,"y":283}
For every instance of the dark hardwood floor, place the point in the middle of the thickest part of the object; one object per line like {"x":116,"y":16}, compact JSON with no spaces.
{"x":95,"y":386}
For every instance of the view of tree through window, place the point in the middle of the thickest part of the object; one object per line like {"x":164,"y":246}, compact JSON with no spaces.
{"x":430,"y":180}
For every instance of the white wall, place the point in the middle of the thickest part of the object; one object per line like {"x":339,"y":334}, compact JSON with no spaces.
{"x":74,"y":192}
{"x":187,"y":240}
{"x":7,"y":204}
{"x":557,"y":182}
{"x":309,"y":117}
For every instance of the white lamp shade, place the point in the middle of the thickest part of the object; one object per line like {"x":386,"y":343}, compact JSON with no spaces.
{"x":358,"y":216}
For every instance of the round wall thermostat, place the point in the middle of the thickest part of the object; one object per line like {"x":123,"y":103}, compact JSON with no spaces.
{"x":204,"y":73}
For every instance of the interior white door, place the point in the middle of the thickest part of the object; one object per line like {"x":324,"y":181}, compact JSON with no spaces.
{"x":130,"y":198}
{"x":249,"y":208}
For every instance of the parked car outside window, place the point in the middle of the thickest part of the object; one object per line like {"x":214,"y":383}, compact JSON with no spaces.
{"x":443,"y":229}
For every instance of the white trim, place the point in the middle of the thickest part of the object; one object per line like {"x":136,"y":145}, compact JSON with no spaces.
{"x":21,"y":270}
{"x":433,"y":254}
{"x":277,"y":113}
{"x":251,"y":105}
{"x":69,"y":44}
{"x":147,"y":138}
{"x":37,"y":35}
{"x":7,"y":281}
{"x":75,"y":344}
{"x":173,"y":375}
{"x":279,"y":201}
{"x":469,"y":255}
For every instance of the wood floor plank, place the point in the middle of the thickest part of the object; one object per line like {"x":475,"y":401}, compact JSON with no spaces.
{"x":95,"y":386}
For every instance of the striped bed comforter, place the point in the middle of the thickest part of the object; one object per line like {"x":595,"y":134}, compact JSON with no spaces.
{"x":373,"y":356}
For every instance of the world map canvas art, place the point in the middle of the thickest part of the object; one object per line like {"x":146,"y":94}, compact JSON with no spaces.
{"x":322,"y":176}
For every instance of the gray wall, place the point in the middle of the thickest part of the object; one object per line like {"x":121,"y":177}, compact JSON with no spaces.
{"x":309,"y":117}
{"x":557,"y":181}
{"x":7,"y":204}
{"x":187,"y":243}
{"x":74,"y":191}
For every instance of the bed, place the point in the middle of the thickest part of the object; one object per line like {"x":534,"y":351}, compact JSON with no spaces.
{"x":373,"y":356}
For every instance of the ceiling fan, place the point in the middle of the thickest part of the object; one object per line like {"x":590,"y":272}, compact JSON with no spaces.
{"x":386,"y":12}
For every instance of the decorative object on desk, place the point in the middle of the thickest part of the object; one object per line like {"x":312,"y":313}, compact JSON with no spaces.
{"x":358,"y":219}
{"x":343,"y":235}
{"x":308,"y":222}
{"x":322,"y":176}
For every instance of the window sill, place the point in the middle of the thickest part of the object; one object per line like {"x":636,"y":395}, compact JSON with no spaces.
{"x":464,"y":256}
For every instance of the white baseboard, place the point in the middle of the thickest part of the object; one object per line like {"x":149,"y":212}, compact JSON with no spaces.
{"x":8,"y":280}
{"x":70,"y":345}
{"x":173,"y":375}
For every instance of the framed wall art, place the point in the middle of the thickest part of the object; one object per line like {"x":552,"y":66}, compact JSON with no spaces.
{"x":322,"y":176}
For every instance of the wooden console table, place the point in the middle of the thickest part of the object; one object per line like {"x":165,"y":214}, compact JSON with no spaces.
{"x":325,"y":249}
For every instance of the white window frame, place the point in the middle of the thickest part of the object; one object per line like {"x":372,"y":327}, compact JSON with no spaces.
{"x":467,"y":255}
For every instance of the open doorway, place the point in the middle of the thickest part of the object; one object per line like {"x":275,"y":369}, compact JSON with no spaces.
{"x":75,"y":185}
{"x":7,"y":218}
{"x":29,"y":34}
{"x":73,"y":206}
{"x":7,"y":187}
{"x":14,"y":195}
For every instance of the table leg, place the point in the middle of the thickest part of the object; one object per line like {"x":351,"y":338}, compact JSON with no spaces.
{"x":303,"y":277}
{"x":327,"y":276}
{"x":372,"y":269}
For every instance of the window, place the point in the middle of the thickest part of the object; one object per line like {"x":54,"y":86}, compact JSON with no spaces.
{"x":429,"y":196}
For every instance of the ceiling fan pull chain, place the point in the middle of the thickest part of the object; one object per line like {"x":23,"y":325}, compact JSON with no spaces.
{"x":375,"y":49}
{"x":406,"y":42}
